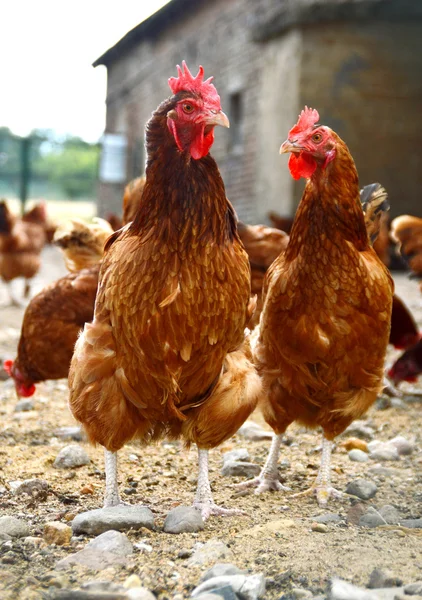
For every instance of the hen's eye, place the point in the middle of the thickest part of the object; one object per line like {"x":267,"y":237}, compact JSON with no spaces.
{"x":317,"y":137}
{"x":187,"y":108}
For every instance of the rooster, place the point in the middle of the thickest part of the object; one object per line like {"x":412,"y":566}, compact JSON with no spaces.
{"x":21,"y":243}
{"x":327,"y":305}
{"x":166,"y":353}
{"x":55,"y":316}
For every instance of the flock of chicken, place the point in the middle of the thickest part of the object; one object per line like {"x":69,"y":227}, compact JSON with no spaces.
{"x":190,"y":320}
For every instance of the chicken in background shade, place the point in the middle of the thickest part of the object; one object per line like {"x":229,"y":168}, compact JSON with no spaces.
{"x":406,"y":231}
{"x":166,"y":353}
{"x":327,"y":306}
{"x":408,"y":366}
{"x":56,"y":315}
{"x":38,"y":215}
{"x":132,"y":198}
{"x":21,"y":243}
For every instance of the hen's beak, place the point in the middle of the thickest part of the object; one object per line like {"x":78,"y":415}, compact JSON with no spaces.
{"x":218,"y":118}
{"x":289,"y":146}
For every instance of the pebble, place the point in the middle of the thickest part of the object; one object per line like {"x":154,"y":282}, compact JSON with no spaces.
{"x":248,"y":587}
{"x":132,"y":581}
{"x":221,"y":569}
{"x":355,"y":444}
{"x":360,"y":429}
{"x":211,"y":551}
{"x":358,"y":456}
{"x":404,"y":447}
{"x":381,"y":471}
{"x":413,"y":589}
{"x":140,"y":593}
{"x":372,"y":518}
{"x":31,"y":487}
{"x":328,"y":518}
{"x":382,"y":451}
{"x":235,"y":468}
{"x":383,"y":579}
{"x":13,"y":527}
{"x":319,"y":527}
{"x":238,"y":454}
{"x":390,"y":514}
{"x":70,"y":433}
{"x":57,"y":533}
{"x":70,"y":457}
{"x":183,"y":519}
{"x":301,"y":593}
{"x":24,"y":406}
{"x":36,"y":542}
{"x":102,"y":586}
{"x":118,"y":518}
{"x":227,"y":593}
{"x":108,"y":549}
{"x":412,"y":523}
{"x":343,"y":590}
{"x":253,"y":431}
{"x":362,"y":488}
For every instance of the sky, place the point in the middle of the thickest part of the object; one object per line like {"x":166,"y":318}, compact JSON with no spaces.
{"x":47,"y":48}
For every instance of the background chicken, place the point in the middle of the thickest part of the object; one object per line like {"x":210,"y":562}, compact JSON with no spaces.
{"x":55,"y":316}
{"x":407,"y":232}
{"x":21,"y":243}
{"x":132,"y":198}
{"x":327,"y":305}
{"x":408,"y":366}
{"x":38,"y":215}
{"x":164,"y":354}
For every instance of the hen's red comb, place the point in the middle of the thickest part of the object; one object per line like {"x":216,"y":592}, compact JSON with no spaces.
{"x":307,"y":118}
{"x":7,"y":366}
{"x":186,"y":81}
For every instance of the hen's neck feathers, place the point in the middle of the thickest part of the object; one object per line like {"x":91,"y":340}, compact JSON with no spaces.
{"x":182,"y":196}
{"x":331,"y":205}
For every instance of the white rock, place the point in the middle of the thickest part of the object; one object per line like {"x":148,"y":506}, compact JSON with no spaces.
{"x":248,"y":587}
{"x":70,"y":457}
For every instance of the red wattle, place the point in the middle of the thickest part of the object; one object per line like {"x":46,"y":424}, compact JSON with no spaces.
{"x":301,"y":165}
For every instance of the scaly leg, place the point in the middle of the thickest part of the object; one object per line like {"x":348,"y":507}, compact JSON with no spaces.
{"x":268,"y":478}
{"x":13,"y":300}
{"x":322,"y":484}
{"x":203,"y":499}
{"x":111,"y":496}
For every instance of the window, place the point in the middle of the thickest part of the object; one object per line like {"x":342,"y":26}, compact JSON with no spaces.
{"x":236,"y":117}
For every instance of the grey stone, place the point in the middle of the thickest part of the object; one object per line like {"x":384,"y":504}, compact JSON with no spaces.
{"x":381,"y":471}
{"x":390,"y":514}
{"x":362,"y":489}
{"x":221,"y":569}
{"x":70,"y":433}
{"x":343,"y":590}
{"x":183,"y":519}
{"x":70,"y":457}
{"x":107,"y":550}
{"x":69,"y":594}
{"x":359,"y":429}
{"x":383,"y":579}
{"x":412,"y":523}
{"x":211,"y":551}
{"x":404,"y":447}
{"x":240,"y":454}
{"x":102,"y":586}
{"x":357,"y":455}
{"x":301,"y":593}
{"x":253,"y":431}
{"x":413,"y":589}
{"x":24,"y":406}
{"x":372,"y":518}
{"x":234,"y":468}
{"x":382,"y":451}
{"x":13,"y":527}
{"x":247,"y":587}
{"x":31,"y":487}
{"x":327,"y":518}
{"x":226,"y":592}
{"x":140,"y":593}
{"x":118,"y":518}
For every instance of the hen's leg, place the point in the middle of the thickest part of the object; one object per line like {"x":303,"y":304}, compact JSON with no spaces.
{"x":268,"y":478}
{"x":322,"y":484}
{"x":203,"y":499}
{"x":13,"y":301}
{"x":27,"y":289}
{"x":111,"y":496}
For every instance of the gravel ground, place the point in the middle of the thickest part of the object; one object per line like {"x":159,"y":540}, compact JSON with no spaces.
{"x":292,"y":542}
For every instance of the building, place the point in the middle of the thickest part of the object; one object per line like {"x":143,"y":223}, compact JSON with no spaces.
{"x":358,"y":62}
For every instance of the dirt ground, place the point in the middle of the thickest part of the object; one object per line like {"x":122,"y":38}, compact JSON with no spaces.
{"x":274,"y":538}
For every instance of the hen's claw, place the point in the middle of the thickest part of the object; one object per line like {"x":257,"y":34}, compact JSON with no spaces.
{"x":263,"y":484}
{"x":208,"y":509}
{"x":322,"y":492}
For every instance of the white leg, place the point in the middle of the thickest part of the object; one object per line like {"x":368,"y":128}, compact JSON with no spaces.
{"x":111,"y":496}
{"x":203,"y":499}
{"x":268,"y":478}
{"x":13,"y":301}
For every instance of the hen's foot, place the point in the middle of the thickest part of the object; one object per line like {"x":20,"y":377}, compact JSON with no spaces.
{"x":262,"y":484}
{"x":322,"y":492}
{"x":209,"y":508}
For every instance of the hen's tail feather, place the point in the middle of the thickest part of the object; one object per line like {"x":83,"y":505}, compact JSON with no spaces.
{"x":6,"y":218}
{"x":374,"y":199}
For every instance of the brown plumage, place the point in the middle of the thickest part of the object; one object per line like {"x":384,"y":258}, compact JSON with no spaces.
{"x":327,"y":303}
{"x":55,"y":316}
{"x":406,"y":231}
{"x":164,"y":354}
{"x":132,"y":198}
{"x":38,"y":215}
{"x":21,"y":243}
